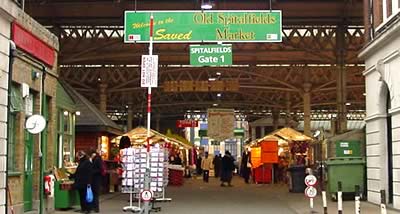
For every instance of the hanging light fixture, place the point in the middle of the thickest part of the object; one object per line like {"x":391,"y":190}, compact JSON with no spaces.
{"x":206,"y":5}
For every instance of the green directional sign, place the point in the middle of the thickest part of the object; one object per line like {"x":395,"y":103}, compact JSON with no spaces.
{"x":204,"y":26}
{"x":205,"y":55}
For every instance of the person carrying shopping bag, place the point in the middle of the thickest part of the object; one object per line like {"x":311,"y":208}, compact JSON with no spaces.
{"x":83,"y":179}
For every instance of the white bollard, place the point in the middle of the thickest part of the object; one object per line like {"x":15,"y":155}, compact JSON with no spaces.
{"x":357,"y":200}
{"x":339,"y":194}
{"x":324,"y":202}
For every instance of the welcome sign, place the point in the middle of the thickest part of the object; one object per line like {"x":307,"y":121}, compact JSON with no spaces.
{"x":203,"y":26}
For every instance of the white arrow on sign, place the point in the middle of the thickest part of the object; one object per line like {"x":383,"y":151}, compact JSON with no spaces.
{"x":146,"y":195}
{"x":310,"y":180}
{"x":311,"y":192}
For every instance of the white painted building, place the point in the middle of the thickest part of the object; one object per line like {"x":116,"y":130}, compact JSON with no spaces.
{"x":8,"y":12}
{"x":382,"y":76}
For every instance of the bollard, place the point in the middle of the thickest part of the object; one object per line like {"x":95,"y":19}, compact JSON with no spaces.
{"x":324,"y":203}
{"x":312,"y":205}
{"x":383,"y":202}
{"x":339,"y":198}
{"x":322,"y":182}
{"x":357,"y":200}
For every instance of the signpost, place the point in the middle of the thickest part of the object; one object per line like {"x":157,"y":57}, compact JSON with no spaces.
{"x":311,"y":191}
{"x":146,"y":195}
{"x":205,"y":55}
{"x":149,"y":71}
{"x":204,"y":26}
{"x":310,"y":180}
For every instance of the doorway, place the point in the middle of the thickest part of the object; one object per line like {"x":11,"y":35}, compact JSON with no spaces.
{"x":28,"y":172}
{"x":389,"y":148}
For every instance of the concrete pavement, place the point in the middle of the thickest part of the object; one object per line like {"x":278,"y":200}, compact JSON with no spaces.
{"x":196,"y":197}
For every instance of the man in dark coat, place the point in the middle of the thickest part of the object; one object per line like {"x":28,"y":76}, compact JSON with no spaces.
{"x":217,"y":162}
{"x":245,"y":166}
{"x":97,"y":162}
{"x":83,"y":178}
{"x":227,"y":168}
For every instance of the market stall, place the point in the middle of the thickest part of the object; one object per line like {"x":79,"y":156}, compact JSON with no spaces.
{"x":178,"y":152}
{"x":66,"y":196}
{"x":293,"y":154}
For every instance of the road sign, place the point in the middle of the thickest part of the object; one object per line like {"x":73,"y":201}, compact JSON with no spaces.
{"x":204,"y":26}
{"x":149,"y":71}
{"x":186,"y":123}
{"x":146,"y":195}
{"x":205,"y":55}
{"x":310,"y":180}
{"x":310,"y":192}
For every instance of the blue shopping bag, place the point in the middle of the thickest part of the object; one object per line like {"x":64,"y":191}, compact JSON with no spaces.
{"x":89,"y":194}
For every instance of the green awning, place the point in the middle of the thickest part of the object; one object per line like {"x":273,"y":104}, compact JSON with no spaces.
{"x":64,"y":100}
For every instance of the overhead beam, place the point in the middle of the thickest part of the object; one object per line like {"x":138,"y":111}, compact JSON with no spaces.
{"x":111,"y":12}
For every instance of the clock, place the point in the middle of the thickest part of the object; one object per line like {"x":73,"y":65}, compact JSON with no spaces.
{"x":35,"y":124}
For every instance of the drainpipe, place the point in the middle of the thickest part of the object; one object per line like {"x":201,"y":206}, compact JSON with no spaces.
{"x":41,"y":139}
{"x":10,"y":71}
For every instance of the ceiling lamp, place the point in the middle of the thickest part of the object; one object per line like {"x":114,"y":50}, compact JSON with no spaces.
{"x":206,"y":5}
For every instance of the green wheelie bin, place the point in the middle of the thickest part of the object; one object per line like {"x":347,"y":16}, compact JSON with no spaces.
{"x":348,"y":170}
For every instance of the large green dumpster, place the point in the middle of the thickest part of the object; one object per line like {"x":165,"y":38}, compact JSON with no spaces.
{"x":348,"y":170}
{"x":348,"y":148}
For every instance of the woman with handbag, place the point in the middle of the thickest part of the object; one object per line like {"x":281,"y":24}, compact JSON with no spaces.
{"x":83,"y":179}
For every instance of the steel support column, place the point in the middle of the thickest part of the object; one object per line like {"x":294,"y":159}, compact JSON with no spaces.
{"x":307,"y":108}
{"x":275,"y":119}
{"x":129,"y":120}
{"x":103,"y":97}
{"x":288,"y":117}
{"x":158,"y":118}
{"x":262,"y":131}
{"x":341,"y":79}
{"x":253,"y":133}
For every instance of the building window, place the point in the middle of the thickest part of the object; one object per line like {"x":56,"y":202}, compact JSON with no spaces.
{"x":65,"y":138}
{"x":390,"y":8}
{"x":12,"y":143}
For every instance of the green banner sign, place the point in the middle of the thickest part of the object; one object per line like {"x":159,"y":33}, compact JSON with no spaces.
{"x":206,"y":26}
{"x":204,"y":55}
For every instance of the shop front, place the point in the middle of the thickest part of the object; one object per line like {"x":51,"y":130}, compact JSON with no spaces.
{"x":33,"y":72}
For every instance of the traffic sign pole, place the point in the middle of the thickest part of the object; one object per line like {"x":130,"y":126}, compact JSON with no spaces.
{"x":147,"y":175}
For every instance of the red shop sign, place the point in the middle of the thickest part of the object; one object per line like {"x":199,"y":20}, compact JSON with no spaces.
{"x":28,"y":42}
{"x":186,"y":123}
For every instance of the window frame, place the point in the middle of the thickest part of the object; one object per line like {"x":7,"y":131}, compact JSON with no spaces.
{"x":395,"y":11}
{"x":12,"y":143}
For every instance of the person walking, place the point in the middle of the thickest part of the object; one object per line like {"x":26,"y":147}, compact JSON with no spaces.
{"x":83,"y":178}
{"x":206,"y":165}
{"x":246,"y":166}
{"x":217,"y":162}
{"x":98,"y":173}
{"x":227,"y":167}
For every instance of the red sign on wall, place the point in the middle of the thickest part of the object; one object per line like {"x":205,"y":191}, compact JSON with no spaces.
{"x":186,"y":123}
{"x":28,"y":42}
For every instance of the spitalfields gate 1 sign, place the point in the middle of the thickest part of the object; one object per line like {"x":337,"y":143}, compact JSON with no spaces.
{"x":204,"y":26}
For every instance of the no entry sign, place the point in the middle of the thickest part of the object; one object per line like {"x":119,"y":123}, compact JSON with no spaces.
{"x":310,"y":180}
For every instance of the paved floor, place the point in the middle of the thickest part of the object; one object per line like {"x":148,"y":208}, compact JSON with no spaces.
{"x":196,"y":197}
